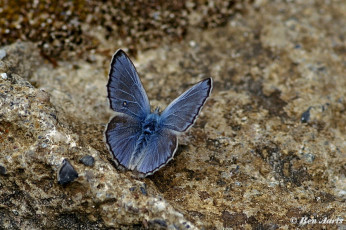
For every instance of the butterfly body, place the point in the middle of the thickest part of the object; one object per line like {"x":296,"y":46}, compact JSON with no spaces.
{"x":150,"y":128}
{"x":151,"y":124}
{"x":138,"y":139}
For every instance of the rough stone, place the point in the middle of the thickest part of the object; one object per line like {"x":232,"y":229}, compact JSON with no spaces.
{"x":2,"y":170}
{"x":66,"y":173}
{"x":2,"y":54}
{"x":3,"y":75}
{"x":87,"y":160}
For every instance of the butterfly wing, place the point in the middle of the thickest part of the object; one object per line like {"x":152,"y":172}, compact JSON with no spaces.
{"x":183,"y":111}
{"x":122,"y":134}
{"x":125,"y":90}
{"x":157,"y":153}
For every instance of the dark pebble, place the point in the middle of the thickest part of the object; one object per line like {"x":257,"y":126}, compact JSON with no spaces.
{"x":298,"y":46}
{"x":87,"y":160}
{"x":309,"y":157}
{"x":305,"y":116}
{"x":144,"y":190}
{"x":159,"y":222}
{"x":66,"y":173}
{"x":2,"y":170}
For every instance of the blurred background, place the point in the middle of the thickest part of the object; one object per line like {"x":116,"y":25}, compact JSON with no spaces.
{"x":63,"y":28}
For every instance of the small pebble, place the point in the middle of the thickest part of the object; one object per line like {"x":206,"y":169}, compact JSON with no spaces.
{"x":309,"y":157}
{"x":298,"y":46}
{"x":66,"y":173}
{"x":143,"y":190}
{"x":192,"y":43}
{"x":305,"y":116}
{"x":2,"y":54}
{"x":2,"y":170}
{"x":87,"y":160}
{"x":159,"y":222}
{"x":3,"y":76}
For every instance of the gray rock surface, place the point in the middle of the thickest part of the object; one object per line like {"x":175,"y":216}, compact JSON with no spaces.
{"x":2,"y":54}
{"x":249,"y":161}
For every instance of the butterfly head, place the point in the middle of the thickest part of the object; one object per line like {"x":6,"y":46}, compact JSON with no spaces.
{"x":157,"y":110}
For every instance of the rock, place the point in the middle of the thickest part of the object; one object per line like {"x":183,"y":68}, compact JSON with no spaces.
{"x":21,"y":59}
{"x":144,"y":190}
{"x":159,"y":223}
{"x":66,"y":173}
{"x":87,"y":160}
{"x":2,"y":54}
{"x":3,"y":75}
{"x":305,"y":116}
{"x":309,"y":157}
{"x":2,"y":170}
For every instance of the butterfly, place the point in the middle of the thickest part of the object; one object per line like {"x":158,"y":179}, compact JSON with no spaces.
{"x":139,"y":139}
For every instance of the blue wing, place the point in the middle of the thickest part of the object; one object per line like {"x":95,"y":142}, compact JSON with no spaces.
{"x":183,"y":111}
{"x":122,"y":133}
{"x":125,"y":90}
{"x":157,"y":153}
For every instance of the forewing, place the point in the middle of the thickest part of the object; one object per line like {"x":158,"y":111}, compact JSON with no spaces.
{"x":183,"y":111}
{"x":122,"y":134}
{"x":158,"y":152}
{"x":125,"y":90}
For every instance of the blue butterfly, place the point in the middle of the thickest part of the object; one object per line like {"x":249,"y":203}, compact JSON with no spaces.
{"x":141,"y":140}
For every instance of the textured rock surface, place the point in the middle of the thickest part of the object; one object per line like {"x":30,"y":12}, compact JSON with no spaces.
{"x":249,"y":161}
{"x":33,"y":145}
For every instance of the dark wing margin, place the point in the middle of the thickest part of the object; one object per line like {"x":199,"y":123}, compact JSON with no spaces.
{"x":181,"y":113}
{"x":125,"y":90}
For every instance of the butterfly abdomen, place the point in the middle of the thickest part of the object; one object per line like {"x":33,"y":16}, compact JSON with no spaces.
{"x":150,"y":126}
